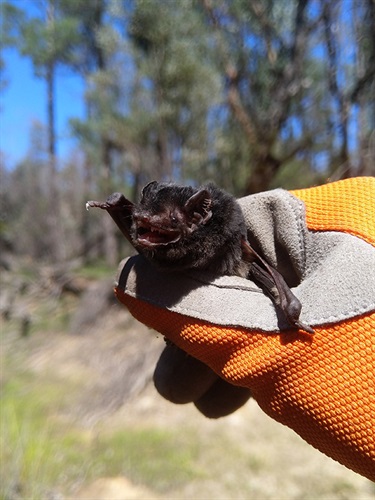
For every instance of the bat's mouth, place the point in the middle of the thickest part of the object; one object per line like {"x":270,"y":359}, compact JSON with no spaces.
{"x":149,"y":235}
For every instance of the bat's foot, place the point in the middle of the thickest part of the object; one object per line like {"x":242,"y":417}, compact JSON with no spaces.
{"x":301,"y":326}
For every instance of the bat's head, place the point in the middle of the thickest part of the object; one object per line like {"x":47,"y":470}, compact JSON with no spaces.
{"x":168,"y":214}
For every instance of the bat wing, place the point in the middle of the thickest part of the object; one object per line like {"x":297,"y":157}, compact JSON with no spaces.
{"x":272,"y":282}
{"x":120,"y":209}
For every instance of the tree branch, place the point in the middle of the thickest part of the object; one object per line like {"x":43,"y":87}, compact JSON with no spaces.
{"x":268,"y":29}
{"x":293,"y":68}
{"x":361,"y":83}
{"x":234,"y":98}
{"x":306,"y":141}
{"x":334,"y":86}
{"x":369,"y":75}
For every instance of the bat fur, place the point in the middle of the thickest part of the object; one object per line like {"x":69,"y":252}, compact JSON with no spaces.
{"x":181,"y":227}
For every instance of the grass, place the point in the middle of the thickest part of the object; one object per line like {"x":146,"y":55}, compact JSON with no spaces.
{"x":160,"y":459}
{"x":43,"y":454}
{"x":48,"y":450}
{"x":30,"y":445}
{"x":96,"y":270}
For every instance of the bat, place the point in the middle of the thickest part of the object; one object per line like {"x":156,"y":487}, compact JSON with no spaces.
{"x":181,"y":227}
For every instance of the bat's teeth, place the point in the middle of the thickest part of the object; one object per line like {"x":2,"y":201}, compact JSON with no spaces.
{"x":88,"y":206}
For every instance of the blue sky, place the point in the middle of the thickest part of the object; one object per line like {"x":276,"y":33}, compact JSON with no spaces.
{"x":23,"y":100}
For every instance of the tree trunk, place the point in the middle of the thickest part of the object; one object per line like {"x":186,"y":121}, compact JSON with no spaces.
{"x":54,"y":221}
{"x":109,"y":228}
{"x":263,"y":172}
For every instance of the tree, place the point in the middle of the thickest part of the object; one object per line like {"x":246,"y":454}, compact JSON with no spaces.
{"x":93,"y":52}
{"x":175,"y":69}
{"x":252,"y":95}
{"x":268,"y":55}
{"x":350,"y":83}
{"x":48,"y":39}
{"x":10,"y":19}
{"x":26,"y":196}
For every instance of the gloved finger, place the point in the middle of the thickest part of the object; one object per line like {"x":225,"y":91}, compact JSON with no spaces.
{"x":222,"y":399}
{"x":181,"y":378}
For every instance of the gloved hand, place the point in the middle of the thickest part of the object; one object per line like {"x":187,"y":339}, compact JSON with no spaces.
{"x":227,"y":340}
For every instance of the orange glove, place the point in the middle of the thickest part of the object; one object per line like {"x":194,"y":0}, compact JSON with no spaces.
{"x":322,"y":386}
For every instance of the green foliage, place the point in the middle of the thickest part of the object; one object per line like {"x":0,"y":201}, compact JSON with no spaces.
{"x":96,"y":270}
{"x":47,"y":37}
{"x":251,"y":95}
{"x":157,"y":458}
{"x":10,"y":18}
{"x":51,"y":42}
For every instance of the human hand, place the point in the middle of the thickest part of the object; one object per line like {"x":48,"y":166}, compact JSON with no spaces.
{"x":322,"y":386}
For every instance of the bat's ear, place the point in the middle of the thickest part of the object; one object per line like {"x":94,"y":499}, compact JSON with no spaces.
{"x":198,"y":206}
{"x":151,"y":185}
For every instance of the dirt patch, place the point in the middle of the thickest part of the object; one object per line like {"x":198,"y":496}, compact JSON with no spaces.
{"x":115,"y":488}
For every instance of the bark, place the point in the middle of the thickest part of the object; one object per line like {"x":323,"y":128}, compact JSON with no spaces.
{"x":264,"y":170}
{"x":336,"y":89}
{"x":54,"y":212}
{"x":109,"y":229}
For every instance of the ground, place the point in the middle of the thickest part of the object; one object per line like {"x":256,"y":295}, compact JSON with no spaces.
{"x":81,"y":419}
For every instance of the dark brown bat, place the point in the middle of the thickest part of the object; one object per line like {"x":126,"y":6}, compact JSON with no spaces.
{"x":180,"y":227}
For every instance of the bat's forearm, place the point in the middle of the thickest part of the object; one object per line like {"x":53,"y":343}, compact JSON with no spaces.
{"x":273,"y":283}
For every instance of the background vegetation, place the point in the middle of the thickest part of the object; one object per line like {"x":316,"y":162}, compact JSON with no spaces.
{"x":80,"y":419}
{"x":251,"y":94}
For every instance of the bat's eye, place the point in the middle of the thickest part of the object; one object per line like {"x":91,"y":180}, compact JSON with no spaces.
{"x":174,"y":218}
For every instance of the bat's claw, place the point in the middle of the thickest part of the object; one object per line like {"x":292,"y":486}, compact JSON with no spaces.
{"x":96,"y":204}
{"x":120,"y":209}
{"x":116,"y":201}
{"x":301,"y":326}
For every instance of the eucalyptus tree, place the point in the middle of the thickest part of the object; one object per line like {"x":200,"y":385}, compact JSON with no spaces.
{"x":295,"y":73}
{"x":48,"y":38}
{"x":175,"y":68}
